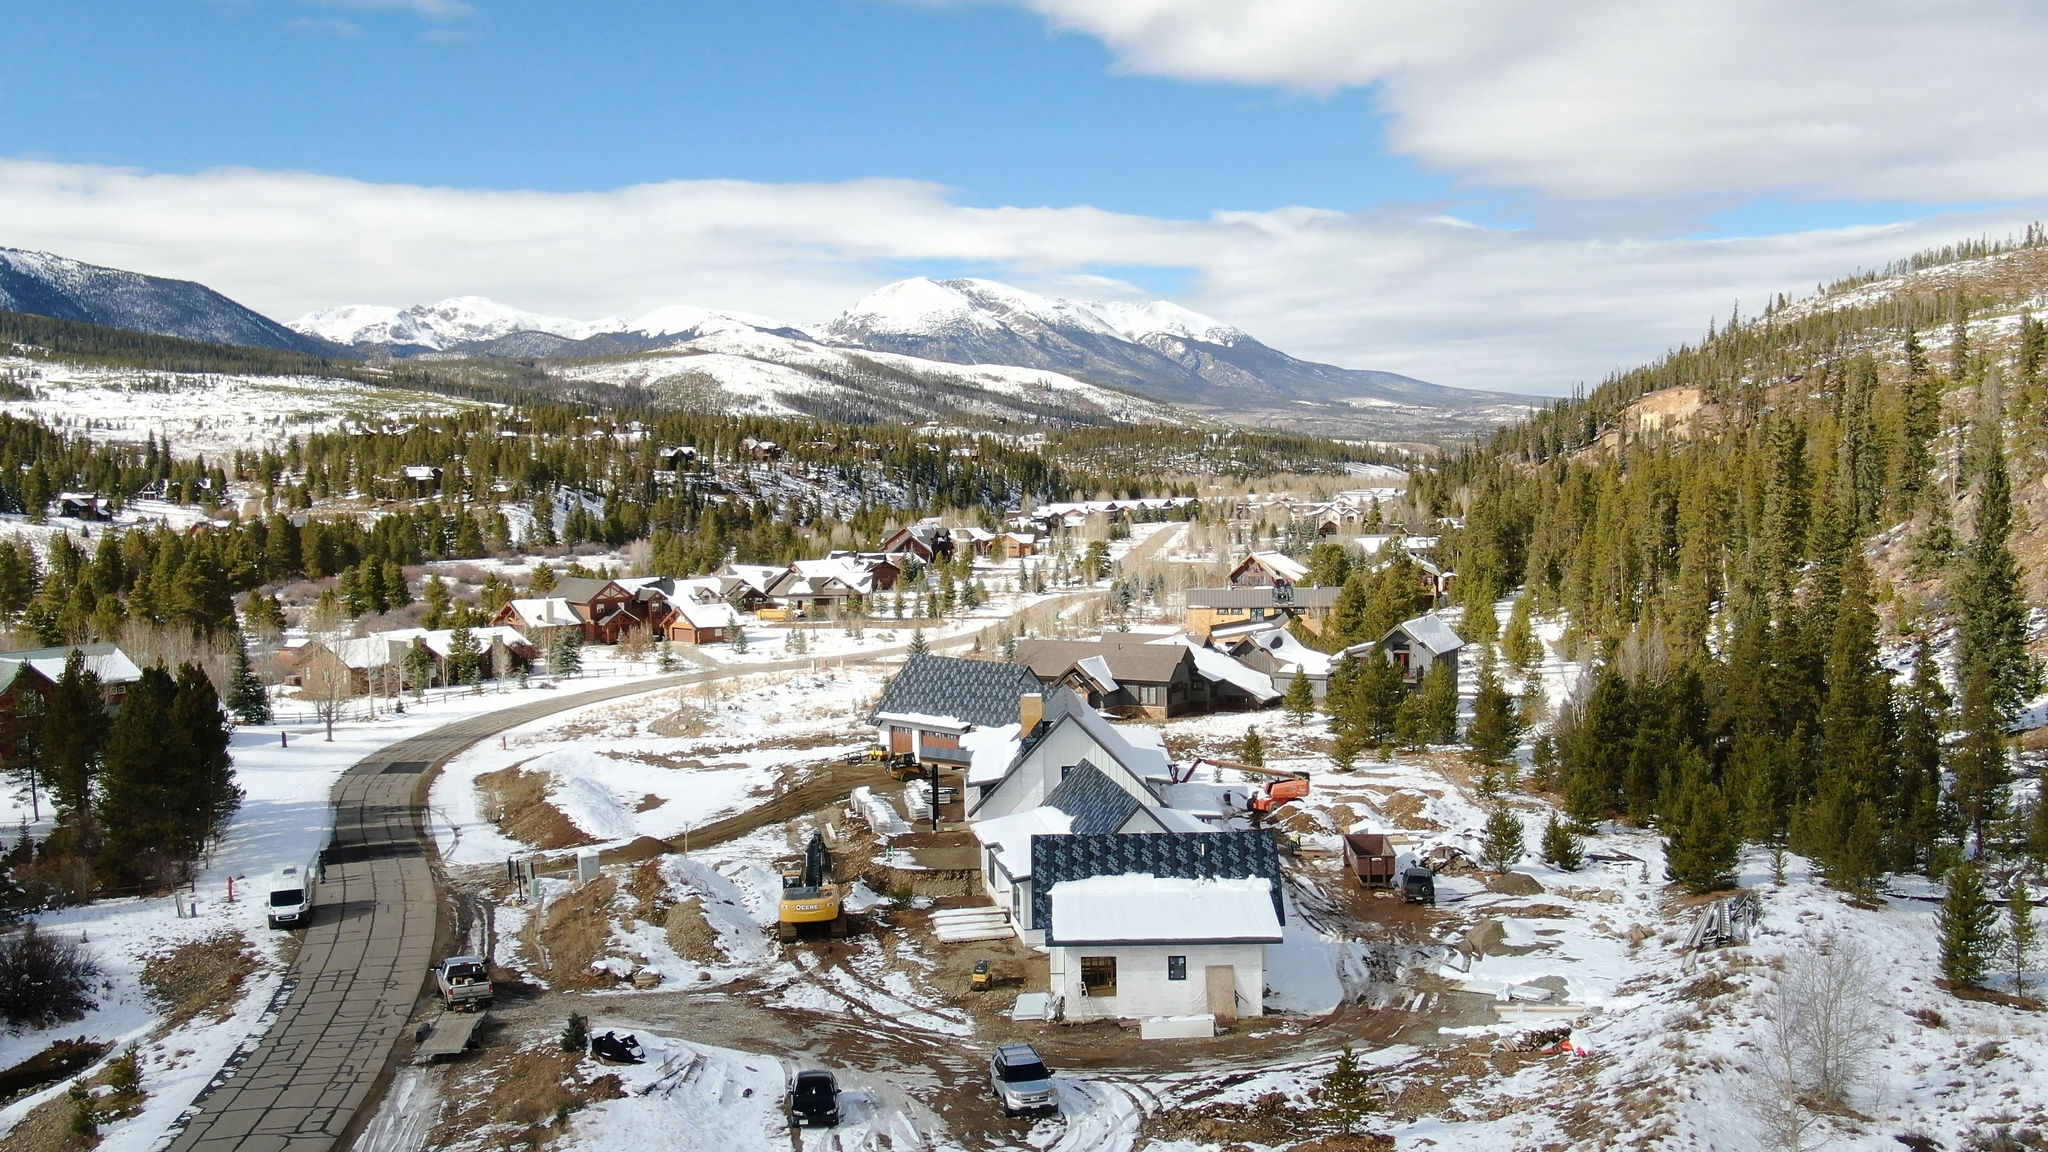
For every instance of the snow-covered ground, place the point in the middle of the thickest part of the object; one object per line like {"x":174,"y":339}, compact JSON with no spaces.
{"x":205,"y":413}
{"x":606,"y":763}
{"x":284,"y":818}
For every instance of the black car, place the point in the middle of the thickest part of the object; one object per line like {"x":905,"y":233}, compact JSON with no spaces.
{"x":814,"y":1100}
{"x":1419,"y":884}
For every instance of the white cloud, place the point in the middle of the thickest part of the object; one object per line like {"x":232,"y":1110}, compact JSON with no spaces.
{"x":1396,"y":287}
{"x":1887,"y":99}
{"x":431,"y":9}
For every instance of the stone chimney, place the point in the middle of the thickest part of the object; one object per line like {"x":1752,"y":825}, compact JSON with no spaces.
{"x":1030,"y":710}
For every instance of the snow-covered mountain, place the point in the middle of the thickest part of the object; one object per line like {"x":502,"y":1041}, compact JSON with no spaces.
{"x":441,"y":325}
{"x":47,"y":285}
{"x":1158,"y":349}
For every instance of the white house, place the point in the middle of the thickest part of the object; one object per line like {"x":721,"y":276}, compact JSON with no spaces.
{"x":1158,"y":925}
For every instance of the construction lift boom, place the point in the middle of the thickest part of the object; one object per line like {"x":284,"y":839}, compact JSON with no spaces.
{"x":1282,"y":786}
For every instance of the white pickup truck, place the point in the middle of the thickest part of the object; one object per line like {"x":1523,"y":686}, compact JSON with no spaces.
{"x":463,"y":983}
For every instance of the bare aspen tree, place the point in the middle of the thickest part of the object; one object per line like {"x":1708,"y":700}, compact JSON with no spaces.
{"x":1821,"y":1024}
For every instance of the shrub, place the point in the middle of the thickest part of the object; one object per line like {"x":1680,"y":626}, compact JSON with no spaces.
{"x":44,"y":979}
{"x":576,"y":1033}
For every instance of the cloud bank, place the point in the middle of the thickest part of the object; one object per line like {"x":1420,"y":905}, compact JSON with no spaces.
{"x":1402,"y":288}
{"x":1881,"y":100}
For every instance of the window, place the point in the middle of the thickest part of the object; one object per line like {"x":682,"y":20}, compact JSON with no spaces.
{"x":1176,"y":967}
{"x":1098,"y":975}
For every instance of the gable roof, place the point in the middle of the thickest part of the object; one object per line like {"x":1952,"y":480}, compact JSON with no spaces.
{"x":984,"y":693}
{"x":1430,"y":631}
{"x":1177,"y":855}
{"x":1093,"y":800}
{"x":104,"y":660}
{"x":578,"y":589}
{"x":1278,"y":564}
{"x":1129,"y":749}
{"x":1134,"y":661}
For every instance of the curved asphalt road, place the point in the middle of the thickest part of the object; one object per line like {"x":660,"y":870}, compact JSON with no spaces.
{"x":366,"y":954}
{"x":363,"y":964}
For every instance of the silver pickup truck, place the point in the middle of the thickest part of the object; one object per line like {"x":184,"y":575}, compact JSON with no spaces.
{"x":463,"y":983}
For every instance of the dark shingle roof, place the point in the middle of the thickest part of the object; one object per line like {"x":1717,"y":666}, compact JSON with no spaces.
{"x":1175,"y":855}
{"x":1138,"y":663}
{"x":1092,"y":799}
{"x":980,"y":692}
{"x":577,"y":589}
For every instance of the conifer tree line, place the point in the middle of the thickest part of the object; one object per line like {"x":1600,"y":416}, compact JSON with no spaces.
{"x":1844,"y":492}
{"x":136,"y":798}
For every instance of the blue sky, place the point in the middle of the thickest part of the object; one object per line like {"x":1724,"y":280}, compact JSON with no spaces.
{"x":569,"y":97}
{"x":1477,"y":192}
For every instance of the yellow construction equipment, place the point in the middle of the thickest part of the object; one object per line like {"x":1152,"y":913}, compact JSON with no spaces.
{"x":810,"y":894}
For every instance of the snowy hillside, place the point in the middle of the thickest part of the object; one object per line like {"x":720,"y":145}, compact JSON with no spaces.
{"x":45,"y":285}
{"x":745,"y":370}
{"x":443,"y":324}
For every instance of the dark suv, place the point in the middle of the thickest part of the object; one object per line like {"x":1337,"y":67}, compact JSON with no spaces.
{"x":1021,"y":1081}
{"x":814,"y":1100}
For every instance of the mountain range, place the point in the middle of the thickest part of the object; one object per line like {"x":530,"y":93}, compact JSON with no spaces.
{"x":1155,"y":350}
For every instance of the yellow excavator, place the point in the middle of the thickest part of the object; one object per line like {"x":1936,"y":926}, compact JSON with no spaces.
{"x":810,"y":894}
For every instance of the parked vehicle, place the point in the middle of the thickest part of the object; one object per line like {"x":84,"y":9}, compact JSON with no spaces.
{"x":814,"y":1100}
{"x":1419,"y":886}
{"x":291,"y":896}
{"x":464,"y":984}
{"x":1021,"y":1082}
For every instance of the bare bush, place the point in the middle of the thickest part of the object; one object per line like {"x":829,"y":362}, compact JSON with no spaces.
{"x":1821,"y":1024}
{"x":44,"y":979}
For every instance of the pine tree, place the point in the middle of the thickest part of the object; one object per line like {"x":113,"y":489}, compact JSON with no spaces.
{"x":1377,"y":699}
{"x":1494,"y":732}
{"x":247,"y":697}
{"x":918,"y":645}
{"x":1977,"y":760}
{"x":1969,"y":936}
{"x":565,"y":657}
{"x":1345,"y":1095}
{"x":1253,"y":750}
{"x":1519,"y":643}
{"x":1562,"y":849}
{"x":143,"y":766}
{"x":207,"y":796}
{"x":1990,"y":606}
{"x":435,"y":596}
{"x":73,"y":734}
{"x":1700,"y":846}
{"x":2019,"y":933}
{"x":1500,"y":843}
{"x":464,"y":654}
{"x":1300,"y":701}
{"x":1347,"y":615}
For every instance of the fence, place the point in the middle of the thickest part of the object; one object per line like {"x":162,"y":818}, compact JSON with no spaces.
{"x":359,"y":708}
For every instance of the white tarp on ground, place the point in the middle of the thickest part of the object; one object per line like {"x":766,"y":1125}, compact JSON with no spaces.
{"x":1141,"y":907}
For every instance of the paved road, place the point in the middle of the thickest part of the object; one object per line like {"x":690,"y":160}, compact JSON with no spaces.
{"x":363,"y":965}
{"x":364,"y":962}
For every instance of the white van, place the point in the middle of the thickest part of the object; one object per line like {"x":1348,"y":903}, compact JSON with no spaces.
{"x":291,"y":896}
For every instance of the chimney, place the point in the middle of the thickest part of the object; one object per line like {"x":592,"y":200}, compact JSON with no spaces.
{"x":1030,"y":710}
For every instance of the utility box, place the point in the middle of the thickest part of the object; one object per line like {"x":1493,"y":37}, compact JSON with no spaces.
{"x":586,"y":865}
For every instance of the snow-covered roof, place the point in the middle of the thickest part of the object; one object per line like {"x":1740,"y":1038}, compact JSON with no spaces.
{"x":1096,"y":668}
{"x":1431,"y":632}
{"x":717,"y":614}
{"x":1140,"y":908}
{"x":1220,"y":668}
{"x":1011,"y":835}
{"x":1280,"y":565}
{"x":103,"y":660}
{"x":990,"y":752}
{"x":755,"y":576}
{"x":550,"y":612}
